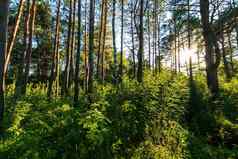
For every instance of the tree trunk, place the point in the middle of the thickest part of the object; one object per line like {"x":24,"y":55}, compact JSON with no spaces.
{"x":225,"y":62}
{"x":13,"y":36}
{"x":133,"y":41}
{"x":149,"y":46}
{"x":212,"y":56}
{"x":104,"y":39}
{"x":100,"y":32}
{"x":122,"y":30}
{"x":155,"y":36}
{"x":91,"y":46}
{"x":236,"y":34}
{"x":175,"y":46}
{"x":4,"y":9}
{"x":29,"y":48}
{"x":68,"y":52}
{"x":77,"y":84}
{"x":85,"y":50}
{"x":141,"y":44}
{"x":159,"y":52}
{"x":54,"y":69}
{"x":114,"y":41}
{"x":179,"y":65}
{"x":72,"y":52}
{"x":231,"y":53}
{"x":19,"y":90}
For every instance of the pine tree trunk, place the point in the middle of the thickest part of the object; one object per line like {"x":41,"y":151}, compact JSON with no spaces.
{"x":155,"y":36}
{"x":236,"y":35}
{"x":13,"y":36}
{"x":225,"y":62}
{"x":212,"y":56}
{"x":122,"y":30}
{"x":231,"y":53}
{"x":19,"y":90}
{"x":77,"y":84}
{"x":133,"y":42}
{"x":100,"y":37}
{"x":72,"y":52}
{"x":114,"y":42}
{"x":175,"y":46}
{"x":85,"y":50}
{"x":141,"y":44}
{"x":29,"y":48}
{"x":91,"y":46}
{"x":68,"y":52}
{"x":54,"y":69}
{"x":179,"y":65}
{"x":4,"y":9}
{"x":159,"y":52}
{"x":104,"y":39}
{"x":149,"y":46}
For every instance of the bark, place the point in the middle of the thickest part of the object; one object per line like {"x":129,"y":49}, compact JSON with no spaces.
{"x":91,"y":46}
{"x":77,"y":84}
{"x":4,"y":9}
{"x":148,"y":23}
{"x":20,"y":71}
{"x":104,"y":39}
{"x":13,"y":36}
{"x":236,"y":35}
{"x":212,"y":56}
{"x":114,"y":41}
{"x":85,"y":50}
{"x":100,"y":37}
{"x":141,"y":44}
{"x":225,"y":62}
{"x":68,"y":52}
{"x":54,"y":69}
{"x":72,"y":51}
{"x":133,"y":42}
{"x":159,"y":53}
{"x":175,"y":46}
{"x":155,"y":36}
{"x":29,"y":48}
{"x":231,"y":53}
{"x":122,"y":30}
{"x":179,"y":65}
{"x":190,"y":69}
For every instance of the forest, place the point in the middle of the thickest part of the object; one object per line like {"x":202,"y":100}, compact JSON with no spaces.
{"x":118,"y":79}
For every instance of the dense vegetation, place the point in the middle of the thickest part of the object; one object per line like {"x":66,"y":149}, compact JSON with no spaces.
{"x":69,"y":91}
{"x":163,"y":118}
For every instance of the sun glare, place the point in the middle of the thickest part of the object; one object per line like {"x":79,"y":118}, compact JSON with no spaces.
{"x":185,"y":55}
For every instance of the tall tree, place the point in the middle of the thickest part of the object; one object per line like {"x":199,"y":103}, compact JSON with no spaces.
{"x":68,"y":52}
{"x":72,"y":53}
{"x":19,"y":89}
{"x":91,"y":45}
{"x":114,"y":41}
{"x":4,"y":9}
{"x":141,"y":44}
{"x":54,"y":69}
{"x":104,"y":38}
{"x":14,"y":34}
{"x":100,"y":34}
{"x":133,"y":40}
{"x":29,"y":47}
{"x":85,"y":48}
{"x":122,"y":30}
{"x":212,"y":56}
{"x":76,"y":87}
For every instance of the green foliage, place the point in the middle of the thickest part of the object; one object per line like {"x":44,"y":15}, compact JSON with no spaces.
{"x":166,"y":117}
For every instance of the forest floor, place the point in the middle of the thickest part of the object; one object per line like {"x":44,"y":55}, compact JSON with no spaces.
{"x":166,"y":117}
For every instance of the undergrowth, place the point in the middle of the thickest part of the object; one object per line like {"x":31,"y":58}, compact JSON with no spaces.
{"x":166,"y":117}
